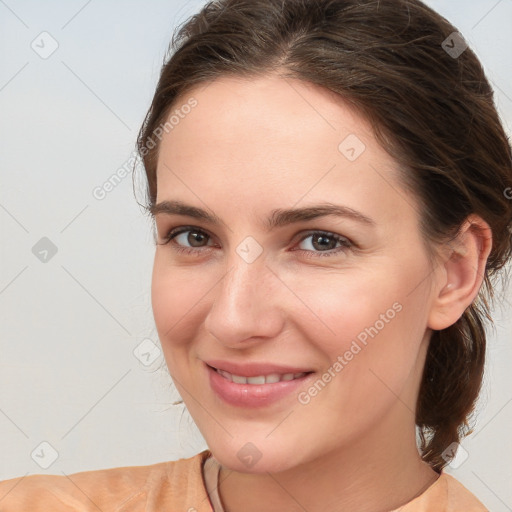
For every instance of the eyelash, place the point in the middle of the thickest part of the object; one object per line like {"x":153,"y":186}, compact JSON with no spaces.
{"x":346,"y":244}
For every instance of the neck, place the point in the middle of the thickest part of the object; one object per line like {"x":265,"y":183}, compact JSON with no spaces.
{"x":366,"y":475}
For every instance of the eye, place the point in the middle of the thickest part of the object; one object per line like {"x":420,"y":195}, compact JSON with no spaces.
{"x":192,"y":240}
{"x":187,"y":239}
{"x":323,"y":243}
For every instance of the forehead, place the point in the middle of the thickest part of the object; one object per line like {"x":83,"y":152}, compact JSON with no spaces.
{"x":273,"y":138}
{"x":277,"y":110}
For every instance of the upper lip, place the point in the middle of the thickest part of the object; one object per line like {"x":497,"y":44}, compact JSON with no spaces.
{"x":254,"y":369}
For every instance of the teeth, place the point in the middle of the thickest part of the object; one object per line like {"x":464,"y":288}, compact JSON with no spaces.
{"x":238,"y":380}
{"x":255,"y":380}
{"x":272,"y":378}
{"x":261,"y":379}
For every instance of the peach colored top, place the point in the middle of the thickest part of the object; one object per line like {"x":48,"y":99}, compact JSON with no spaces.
{"x":185,"y":485}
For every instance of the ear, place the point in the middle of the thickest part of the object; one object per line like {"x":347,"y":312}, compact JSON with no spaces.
{"x":462,"y":272}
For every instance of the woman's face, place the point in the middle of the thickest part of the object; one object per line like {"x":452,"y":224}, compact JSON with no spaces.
{"x":272,"y":280}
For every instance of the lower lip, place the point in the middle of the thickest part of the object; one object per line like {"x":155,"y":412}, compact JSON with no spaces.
{"x":253,"y":395}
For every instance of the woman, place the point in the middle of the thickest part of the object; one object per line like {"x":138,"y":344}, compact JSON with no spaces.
{"x":327,"y":181}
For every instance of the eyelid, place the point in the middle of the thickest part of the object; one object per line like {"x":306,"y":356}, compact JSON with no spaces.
{"x":346,"y":243}
{"x":302,"y":235}
{"x":178,"y":230}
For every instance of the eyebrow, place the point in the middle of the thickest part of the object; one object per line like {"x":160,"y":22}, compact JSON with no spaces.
{"x":278,"y":217}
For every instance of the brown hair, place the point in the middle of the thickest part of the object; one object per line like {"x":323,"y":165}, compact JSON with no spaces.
{"x":432,"y":111}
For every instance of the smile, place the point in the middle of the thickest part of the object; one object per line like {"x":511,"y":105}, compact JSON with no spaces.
{"x":272,"y":378}
{"x":257,"y":390}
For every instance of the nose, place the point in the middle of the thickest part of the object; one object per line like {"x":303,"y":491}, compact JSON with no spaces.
{"x":245,"y":304}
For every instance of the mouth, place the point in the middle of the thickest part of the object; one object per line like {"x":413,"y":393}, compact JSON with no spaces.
{"x":270,"y":378}
{"x":259,"y":389}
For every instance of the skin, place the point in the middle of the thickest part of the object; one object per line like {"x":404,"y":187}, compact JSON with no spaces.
{"x":250,"y":147}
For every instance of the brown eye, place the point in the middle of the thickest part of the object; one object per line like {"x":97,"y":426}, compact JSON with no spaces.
{"x":196,"y":238}
{"x":323,"y":242}
{"x":187,"y":237}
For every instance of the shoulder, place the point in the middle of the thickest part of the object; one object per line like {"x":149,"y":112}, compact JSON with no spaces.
{"x":459,"y":497}
{"x":446,"y":494}
{"x":132,"y":488}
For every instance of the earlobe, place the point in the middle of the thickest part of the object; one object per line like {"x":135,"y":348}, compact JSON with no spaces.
{"x":463,"y":270}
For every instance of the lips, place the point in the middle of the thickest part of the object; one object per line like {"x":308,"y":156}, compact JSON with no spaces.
{"x":255,"y":384}
{"x":255,"y":369}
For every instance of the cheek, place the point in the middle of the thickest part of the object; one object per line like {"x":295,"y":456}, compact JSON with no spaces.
{"x":368,"y":327}
{"x":176,"y":295}
{"x":350,"y":305}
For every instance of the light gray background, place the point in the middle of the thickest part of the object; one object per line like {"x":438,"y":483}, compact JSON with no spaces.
{"x":68,"y":375}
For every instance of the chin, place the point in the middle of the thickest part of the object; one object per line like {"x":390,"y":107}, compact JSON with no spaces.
{"x":255,"y":458}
